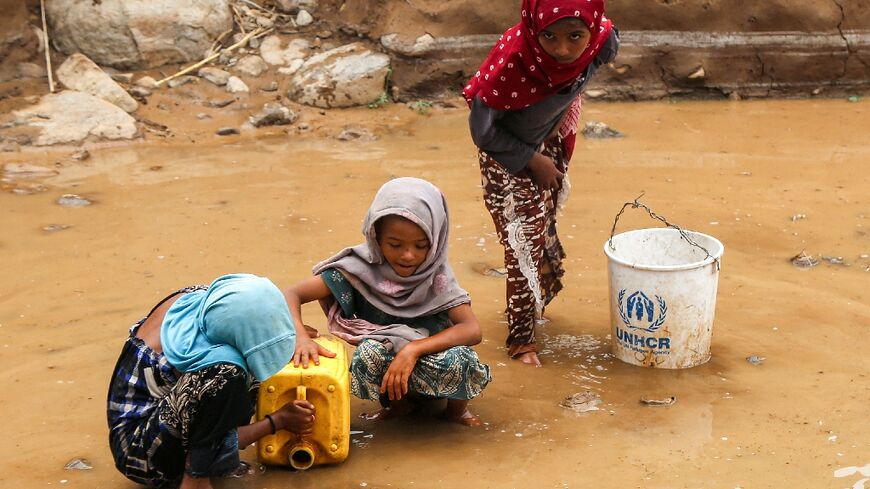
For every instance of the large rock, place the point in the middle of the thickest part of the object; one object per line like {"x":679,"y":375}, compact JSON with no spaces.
{"x":70,"y":117}
{"x":81,"y":74}
{"x":138,"y":34}
{"x":342,"y":77}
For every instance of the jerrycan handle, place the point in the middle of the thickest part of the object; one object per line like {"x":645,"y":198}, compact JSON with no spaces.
{"x":301,"y":455}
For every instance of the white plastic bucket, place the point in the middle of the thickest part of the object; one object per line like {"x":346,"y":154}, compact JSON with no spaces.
{"x":662,"y":296}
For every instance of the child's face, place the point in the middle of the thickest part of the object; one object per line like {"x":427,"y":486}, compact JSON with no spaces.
{"x":403,"y":244}
{"x":565,"y":40}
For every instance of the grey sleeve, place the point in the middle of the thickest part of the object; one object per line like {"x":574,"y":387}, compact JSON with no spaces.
{"x":512,"y":153}
{"x":608,"y":52}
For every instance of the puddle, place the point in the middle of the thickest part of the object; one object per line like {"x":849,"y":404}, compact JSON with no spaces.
{"x":175,"y":215}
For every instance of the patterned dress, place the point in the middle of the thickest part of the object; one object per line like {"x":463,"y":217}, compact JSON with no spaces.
{"x":455,"y":373}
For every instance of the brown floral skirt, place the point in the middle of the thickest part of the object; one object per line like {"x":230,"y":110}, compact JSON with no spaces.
{"x":525,"y":220}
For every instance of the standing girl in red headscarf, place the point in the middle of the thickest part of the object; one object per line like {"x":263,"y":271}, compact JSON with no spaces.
{"x":525,"y":107}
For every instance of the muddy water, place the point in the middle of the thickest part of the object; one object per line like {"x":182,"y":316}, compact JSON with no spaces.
{"x":164,"y":217}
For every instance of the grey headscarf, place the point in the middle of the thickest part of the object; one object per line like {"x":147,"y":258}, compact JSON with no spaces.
{"x":433,"y":287}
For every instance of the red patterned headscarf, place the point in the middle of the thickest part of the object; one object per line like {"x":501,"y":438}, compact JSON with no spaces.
{"x":518,"y":73}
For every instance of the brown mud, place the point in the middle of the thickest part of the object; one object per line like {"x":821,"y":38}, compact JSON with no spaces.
{"x":169,"y":214}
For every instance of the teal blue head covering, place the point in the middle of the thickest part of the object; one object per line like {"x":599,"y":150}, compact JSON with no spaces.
{"x":240,"y":319}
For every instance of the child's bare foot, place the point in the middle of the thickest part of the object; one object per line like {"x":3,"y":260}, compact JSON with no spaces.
{"x":381,"y":414}
{"x":402,"y":407}
{"x":529,"y":358}
{"x":295,"y":416}
{"x":457,"y":412}
{"x":465,"y":419}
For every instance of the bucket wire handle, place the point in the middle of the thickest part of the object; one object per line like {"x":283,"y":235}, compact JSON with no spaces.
{"x":637,"y":204}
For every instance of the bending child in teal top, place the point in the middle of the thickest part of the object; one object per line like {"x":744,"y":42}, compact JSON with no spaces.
{"x":182,"y":393}
{"x":396,"y":298}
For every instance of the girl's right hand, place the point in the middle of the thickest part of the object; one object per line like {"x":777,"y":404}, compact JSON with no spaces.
{"x":544,"y":172}
{"x":395,"y":382}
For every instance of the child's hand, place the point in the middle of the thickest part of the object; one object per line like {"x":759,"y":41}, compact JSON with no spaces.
{"x":544,"y":172}
{"x":308,"y":349}
{"x":295,"y":416}
{"x":395,"y":383}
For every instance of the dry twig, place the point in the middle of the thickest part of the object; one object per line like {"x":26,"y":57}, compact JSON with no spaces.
{"x":239,"y":19}
{"x":257,"y":33}
{"x":47,"y":51}
{"x":217,"y":42}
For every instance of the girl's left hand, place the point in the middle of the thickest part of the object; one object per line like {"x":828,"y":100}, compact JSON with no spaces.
{"x":395,"y":383}
{"x":309,"y":350}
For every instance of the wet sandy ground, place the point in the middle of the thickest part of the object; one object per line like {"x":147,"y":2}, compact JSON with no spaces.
{"x":169,"y":216}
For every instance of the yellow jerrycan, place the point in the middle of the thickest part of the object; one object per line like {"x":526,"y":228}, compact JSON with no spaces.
{"x":327,"y":386}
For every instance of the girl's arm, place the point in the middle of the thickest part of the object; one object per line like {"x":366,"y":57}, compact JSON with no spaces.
{"x":464,"y":331}
{"x":502,"y":146}
{"x":308,"y":290}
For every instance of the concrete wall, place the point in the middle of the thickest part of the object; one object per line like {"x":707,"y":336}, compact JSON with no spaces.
{"x":695,"y":48}
{"x":688,"y":47}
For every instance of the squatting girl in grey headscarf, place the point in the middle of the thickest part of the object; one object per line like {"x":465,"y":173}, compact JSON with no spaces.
{"x":396,"y":298}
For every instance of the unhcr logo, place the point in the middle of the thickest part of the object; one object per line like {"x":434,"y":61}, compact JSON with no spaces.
{"x":638,"y":312}
{"x":642,"y":309}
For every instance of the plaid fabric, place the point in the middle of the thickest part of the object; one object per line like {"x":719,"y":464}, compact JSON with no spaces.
{"x":140,"y":380}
